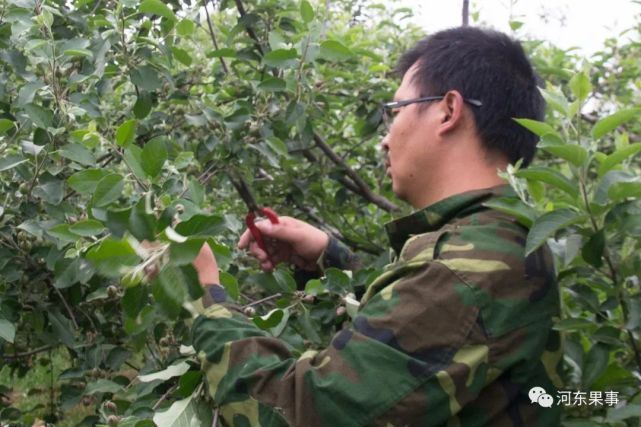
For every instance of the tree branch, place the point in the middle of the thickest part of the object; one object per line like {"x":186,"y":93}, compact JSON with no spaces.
{"x":362,"y":188}
{"x":250,"y":31}
{"x":213,"y":37}
{"x":164,"y":396}
{"x":65,"y":303}
{"x":28,"y":353}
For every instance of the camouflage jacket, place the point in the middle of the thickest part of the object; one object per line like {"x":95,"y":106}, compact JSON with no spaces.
{"x":454,"y":332}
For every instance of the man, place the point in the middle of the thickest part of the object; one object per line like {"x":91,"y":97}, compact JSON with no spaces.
{"x":457,"y":329}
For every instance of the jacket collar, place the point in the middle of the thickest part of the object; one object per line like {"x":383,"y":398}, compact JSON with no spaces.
{"x":440,"y":213}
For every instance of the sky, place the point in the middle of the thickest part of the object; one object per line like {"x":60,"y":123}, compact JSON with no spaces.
{"x":567,"y":23}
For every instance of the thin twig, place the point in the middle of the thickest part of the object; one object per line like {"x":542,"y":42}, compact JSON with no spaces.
{"x":213,"y":37}
{"x":29,"y":353}
{"x":263,"y":300}
{"x":65,"y":303}
{"x":165,"y":396}
{"x":214,"y":423}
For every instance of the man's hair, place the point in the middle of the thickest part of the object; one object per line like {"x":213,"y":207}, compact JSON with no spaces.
{"x":491,"y":67}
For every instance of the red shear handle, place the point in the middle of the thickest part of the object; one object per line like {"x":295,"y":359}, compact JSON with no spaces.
{"x":258,"y":236}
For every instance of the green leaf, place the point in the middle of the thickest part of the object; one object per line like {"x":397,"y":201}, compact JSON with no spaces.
{"x":580,"y":86}
{"x":157,"y":7}
{"x":513,"y":206}
{"x":611,"y":122}
{"x":184,"y":253}
{"x":202,"y":225}
{"x":620,"y":191}
{"x":269,"y":320}
{"x":7,"y":330}
{"x":515,"y":25}
{"x":39,"y":116}
{"x":595,"y":364}
{"x":573,"y":325}
{"x":85,"y":181}
{"x":78,"y":153}
{"x":143,"y":105}
{"x":617,"y":157}
{"x":62,"y":233}
{"x":272,"y":84}
{"x":102,"y":386}
{"x":170,"y":372}
{"x":230,"y":284}
{"x":133,"y":158}
{"x":185,"y":27}
{"x":306,"y":11}
{"x":68,"y":273}
{"x":154,"y":155}
{"x":87,"y":228}
{"x":145,"y":77}
{"x":556,"y":100}
{"x":188,"y":383}
{"x":536,"y":127}
{"x":108,"y":190}
{"x":182,"y":55}
{"x":169,"y":290}
{"x":277,"y":145}
{"x":12,"y":161}
{"x":573,"y":153}
{"x":111,"y":256}
{"x":5,"y":125}
{"x":126,"y":133}
{"x":281,"y":58}
{"x":84,"y":53}
{"x":548,"y":224}
{"x":333,"y":50}
{"x":336,"y":280}
{"x":185,"y":413}
{"x":601,"y":195}
{"x":222,"y":53}
{"x":61,"y":327}
{"x":308,"y":327}
{"x":549,"y":176}
{"x":592,"y":251}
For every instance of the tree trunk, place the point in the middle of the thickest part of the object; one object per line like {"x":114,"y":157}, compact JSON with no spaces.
{"x":466,"y":12}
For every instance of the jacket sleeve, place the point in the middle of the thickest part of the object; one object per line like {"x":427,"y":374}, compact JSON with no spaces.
{"x":384,"y":365}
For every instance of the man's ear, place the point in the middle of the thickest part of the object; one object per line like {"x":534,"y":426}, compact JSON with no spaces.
{"x":452,"y":116}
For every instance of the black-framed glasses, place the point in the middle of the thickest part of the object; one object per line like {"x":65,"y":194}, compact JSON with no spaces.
{"x":389,"y":107}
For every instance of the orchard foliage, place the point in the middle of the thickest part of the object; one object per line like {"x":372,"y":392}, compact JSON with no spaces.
{"x":120,"y":122}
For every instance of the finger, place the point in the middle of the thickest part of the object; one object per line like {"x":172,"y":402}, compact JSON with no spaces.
{"x":257,"y":252}
{"x":283,"y":231}
{"x":245,"y":239}
{"x":267,"y":266}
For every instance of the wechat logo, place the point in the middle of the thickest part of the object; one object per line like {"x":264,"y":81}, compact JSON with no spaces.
{"x":540,"y":396}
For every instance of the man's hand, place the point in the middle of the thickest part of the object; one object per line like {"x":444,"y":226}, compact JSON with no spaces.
{"x":291,"y":240}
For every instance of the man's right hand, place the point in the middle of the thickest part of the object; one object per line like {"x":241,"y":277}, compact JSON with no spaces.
{"x":291,"y":240}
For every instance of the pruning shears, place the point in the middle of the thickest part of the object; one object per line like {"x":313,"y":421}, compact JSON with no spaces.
{"x":254,"y":209}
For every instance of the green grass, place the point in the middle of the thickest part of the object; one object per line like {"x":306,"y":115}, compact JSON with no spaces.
{"x":31,"y":394}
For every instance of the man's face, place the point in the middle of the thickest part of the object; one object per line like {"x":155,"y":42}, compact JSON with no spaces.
{"x":407,"y":144}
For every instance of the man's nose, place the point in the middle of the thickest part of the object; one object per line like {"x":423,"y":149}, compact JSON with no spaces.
{"x":385,"y":143}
